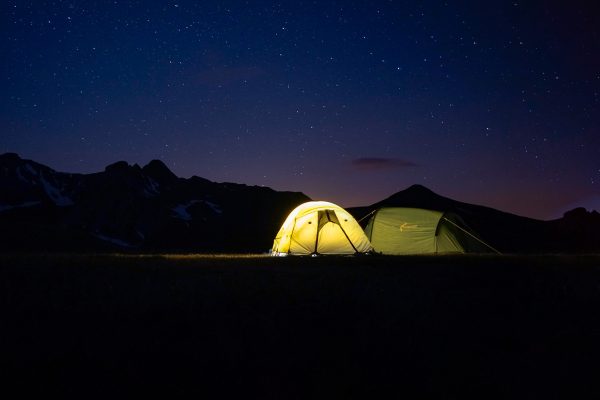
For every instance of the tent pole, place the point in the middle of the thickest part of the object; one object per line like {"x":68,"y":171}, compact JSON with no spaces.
{"x":349,"y":241}
{"x":317,"y":237}
{"x":371,"y":213}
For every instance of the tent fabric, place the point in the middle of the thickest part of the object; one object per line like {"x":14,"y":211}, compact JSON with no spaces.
{"x":398,"y":230}
{"x":320,"y":227}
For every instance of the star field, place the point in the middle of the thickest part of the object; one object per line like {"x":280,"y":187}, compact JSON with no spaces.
{"x":494,"y":103}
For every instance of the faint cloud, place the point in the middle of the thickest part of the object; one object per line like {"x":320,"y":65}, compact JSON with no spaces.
{"x":224,"y":75}
{"x":380,"y":163}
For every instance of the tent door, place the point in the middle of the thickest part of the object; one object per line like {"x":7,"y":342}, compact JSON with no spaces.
{"x":329,"y":216}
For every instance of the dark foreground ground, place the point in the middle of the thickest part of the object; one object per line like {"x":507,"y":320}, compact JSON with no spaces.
{"x":425,"y":327}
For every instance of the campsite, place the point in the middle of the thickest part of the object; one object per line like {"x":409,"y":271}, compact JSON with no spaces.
{"x":333,"y":199}
{"x":96,"y":303}
{"x":148,"y":209}
{"x":301,"y":327}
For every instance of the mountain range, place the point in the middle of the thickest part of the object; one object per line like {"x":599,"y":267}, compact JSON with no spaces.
{"x":149,"y":209}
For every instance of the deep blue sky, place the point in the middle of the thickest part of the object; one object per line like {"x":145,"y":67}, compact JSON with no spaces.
{"x":493,"y":102}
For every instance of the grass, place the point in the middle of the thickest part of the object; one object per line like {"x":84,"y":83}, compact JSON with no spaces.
{"x":297,"y":327}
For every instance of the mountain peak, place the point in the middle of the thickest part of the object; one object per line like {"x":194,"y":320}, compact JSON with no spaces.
{"x":416,"y":192}
{"x":117,"y":166}
{"x":157,"y":170}
{"x":580,"y":213}
{"x":416,"y":196}
{"x":418,"y":189}
{"x":9,"y":157}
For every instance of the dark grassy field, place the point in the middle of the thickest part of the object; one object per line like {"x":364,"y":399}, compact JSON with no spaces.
{"x":282,"y":328}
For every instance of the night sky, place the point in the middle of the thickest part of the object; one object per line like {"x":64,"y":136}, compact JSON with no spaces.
{"x":494,"y":103}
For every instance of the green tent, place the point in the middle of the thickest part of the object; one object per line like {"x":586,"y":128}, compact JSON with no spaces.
{"x":397,"y":230}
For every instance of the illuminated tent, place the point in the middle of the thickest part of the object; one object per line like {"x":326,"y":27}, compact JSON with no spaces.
{"x":397,"y":230}
{"x":319,"y":227}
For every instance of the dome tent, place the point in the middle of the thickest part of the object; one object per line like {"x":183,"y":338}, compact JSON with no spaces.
{"x":399,"y":230}
{"x":319,"y":227}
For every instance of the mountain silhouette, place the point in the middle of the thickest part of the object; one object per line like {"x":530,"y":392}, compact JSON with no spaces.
{"x":132,"y":208}
{"x":128,"y":207}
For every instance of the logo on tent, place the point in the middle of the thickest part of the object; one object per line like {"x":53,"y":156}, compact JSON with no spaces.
{"x":406,"y":227}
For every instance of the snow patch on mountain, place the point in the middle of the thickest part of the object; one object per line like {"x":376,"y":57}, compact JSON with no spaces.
{"x":55,"y":194}
{"x":112,"y":240}
{"x":215,"y":207}
{"x":152,"y":188}
{"x":20,"y":175}
{"x":31,"y":170}
{"x":180,"y":211}
{"x":6,"y":207}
